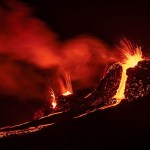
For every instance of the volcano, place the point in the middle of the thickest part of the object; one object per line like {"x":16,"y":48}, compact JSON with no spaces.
{"x":100,"y":109}
{"x":126,"y":120}
{"x":101,"y":96}
{"x":72,"y":106}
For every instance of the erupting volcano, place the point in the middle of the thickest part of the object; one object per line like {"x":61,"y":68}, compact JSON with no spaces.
{"x":110,"y":91}
{"x":131,"y":57}
{"x":63,"y":79}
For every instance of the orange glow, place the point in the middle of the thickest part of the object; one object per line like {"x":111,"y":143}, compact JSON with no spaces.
{"x":131,"y":61}
{"x":65,"y":84}
{"x":53,"y":99}
{"x":66,"y":93}
{"x":54,"y":104}
{"x":131,"y":58}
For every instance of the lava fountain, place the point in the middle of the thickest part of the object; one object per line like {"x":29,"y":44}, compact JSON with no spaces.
{"x":132,"y":57}
{"x":66,"y":86}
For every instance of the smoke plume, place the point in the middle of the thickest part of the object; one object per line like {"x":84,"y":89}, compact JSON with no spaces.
{"x":28,"y":48}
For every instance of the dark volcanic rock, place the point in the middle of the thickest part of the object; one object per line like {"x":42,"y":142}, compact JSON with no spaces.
{"x":108,"y":86}
{"x":138,"y":82}
{"x":101,"y":96}
{"x":67,"y":102}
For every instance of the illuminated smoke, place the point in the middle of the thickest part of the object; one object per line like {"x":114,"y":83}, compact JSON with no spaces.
{"x":28,"y":47}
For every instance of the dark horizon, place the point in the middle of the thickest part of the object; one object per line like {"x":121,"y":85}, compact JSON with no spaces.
{"x":109,"y":21}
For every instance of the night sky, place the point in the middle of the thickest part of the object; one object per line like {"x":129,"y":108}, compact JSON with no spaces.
{"x":109,"y":21}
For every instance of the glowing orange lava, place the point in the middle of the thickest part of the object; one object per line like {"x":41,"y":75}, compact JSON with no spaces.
{"x":66,"y":93}
{"x":53,"y":99}
{"x":66,"y":86}
{"x":131,"y":58}
{"x":130,"y":62}
{"x":54,"y":104}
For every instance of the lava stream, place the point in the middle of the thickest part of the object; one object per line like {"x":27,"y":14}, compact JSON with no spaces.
{"x":132,"y":57}
{"x":131,"y":61}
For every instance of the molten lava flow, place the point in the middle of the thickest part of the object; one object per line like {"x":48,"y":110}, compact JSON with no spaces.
{"x":132,"y":59}
{"x":54,"y":104}
{"x":66,"y":93}
{"x":53,"y":99}
{"x":68,"y":83}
